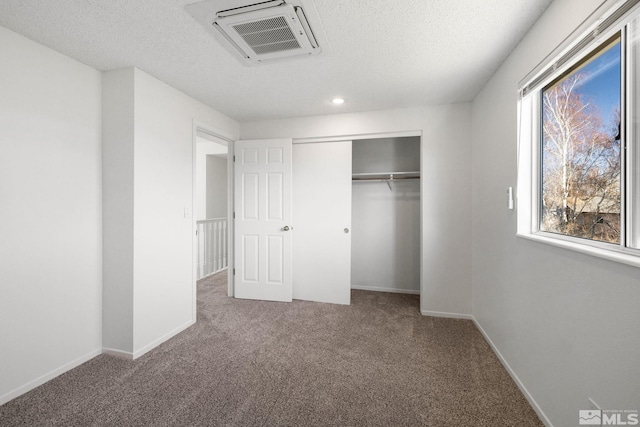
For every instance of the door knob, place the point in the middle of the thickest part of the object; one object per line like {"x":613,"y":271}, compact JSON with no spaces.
{"x":346,"y":230}
{"x":286,"y":228}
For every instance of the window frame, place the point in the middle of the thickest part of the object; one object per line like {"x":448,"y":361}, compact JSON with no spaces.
{"x":602,"y":25}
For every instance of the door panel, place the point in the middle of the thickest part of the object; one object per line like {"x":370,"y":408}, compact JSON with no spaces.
{"x":251,"y":259}
{"x":322,"y":213}
{"x":274,"y":255}
{"x":263,"y":219}
{"x":250,"y":196}
{"x":274,"y":196}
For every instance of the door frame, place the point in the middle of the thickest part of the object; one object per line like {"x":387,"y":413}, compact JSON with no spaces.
{"x":229,"y":140}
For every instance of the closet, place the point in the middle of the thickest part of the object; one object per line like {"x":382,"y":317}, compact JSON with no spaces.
{"x":385,"y":215}
{"x":339,"y":215}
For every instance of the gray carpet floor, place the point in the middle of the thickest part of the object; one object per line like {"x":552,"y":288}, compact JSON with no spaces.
{"x":377,"y":362}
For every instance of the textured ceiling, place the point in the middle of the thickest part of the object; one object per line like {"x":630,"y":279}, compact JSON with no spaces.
{"x":381,"y":54}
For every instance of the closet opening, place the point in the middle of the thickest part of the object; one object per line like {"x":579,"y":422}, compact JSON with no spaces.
{"x":386,"y":235}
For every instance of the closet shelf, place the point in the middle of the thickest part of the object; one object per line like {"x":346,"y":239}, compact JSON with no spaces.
{"x":385,"y":176}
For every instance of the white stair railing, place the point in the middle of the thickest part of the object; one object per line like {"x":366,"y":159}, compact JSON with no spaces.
{"x":212,"y":246}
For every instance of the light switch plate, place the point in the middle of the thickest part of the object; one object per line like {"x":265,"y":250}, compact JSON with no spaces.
{"x":510,"y":197}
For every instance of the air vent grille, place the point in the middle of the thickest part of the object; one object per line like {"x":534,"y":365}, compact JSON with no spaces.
{"x":276,"y":47}
{"x":262,"y":25}
{"x":261,"y":32}
{"x":268,"y":35}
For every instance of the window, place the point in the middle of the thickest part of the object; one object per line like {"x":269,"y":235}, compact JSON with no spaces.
{"x":580,"y":148}
{"x":579,"y":153}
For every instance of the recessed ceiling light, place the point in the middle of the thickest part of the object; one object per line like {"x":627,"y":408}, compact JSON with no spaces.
{"x":337,"y":101}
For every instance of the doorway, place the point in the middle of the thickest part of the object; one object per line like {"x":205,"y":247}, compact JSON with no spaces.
{"x":212,"y":204}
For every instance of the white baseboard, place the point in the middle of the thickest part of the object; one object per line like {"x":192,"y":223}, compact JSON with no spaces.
{"x":79,"y":361}
{"x":48,"y":376}
{"x":118,"y":353}
{"x":513,"y":375}
{"x":147,"y":348}
{"x":446,"y":314}
{"x":392,"y":290}
{"x":162,"y":339}
{"x":211,"y":274}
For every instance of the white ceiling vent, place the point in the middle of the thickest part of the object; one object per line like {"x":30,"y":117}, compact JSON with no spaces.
{"x":266,"y":31}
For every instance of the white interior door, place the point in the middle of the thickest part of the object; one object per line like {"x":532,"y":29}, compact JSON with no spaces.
{"x":322,"y":214}
{"x":263,"y":219}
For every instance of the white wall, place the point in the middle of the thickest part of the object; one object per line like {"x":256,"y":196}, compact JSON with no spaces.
{"x":566,"y":323}
{"x":50,"y":215}
{"x":164,"y":290}
{"x":205,"y":147}
{"x":52,"y":306}
{"x":217,"y":189}
{"x":445,"y":193}
{"x":385,"y":251}
{"x":161,"y":152}
{"x":385,"y":223}
{"x":117,"y":209}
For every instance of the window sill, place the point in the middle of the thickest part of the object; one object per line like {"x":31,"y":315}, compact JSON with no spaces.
{"x":611,"y":255}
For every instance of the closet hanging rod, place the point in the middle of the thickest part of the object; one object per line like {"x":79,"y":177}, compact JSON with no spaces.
{"x":390,"y":178}
{"x":385,"y":176}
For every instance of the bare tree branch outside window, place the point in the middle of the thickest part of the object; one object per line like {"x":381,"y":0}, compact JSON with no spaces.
{"x":581,"y":158}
